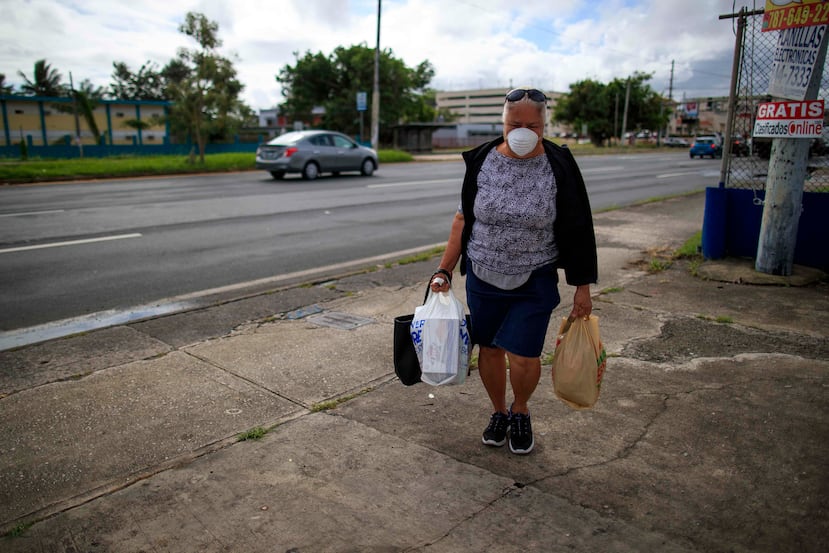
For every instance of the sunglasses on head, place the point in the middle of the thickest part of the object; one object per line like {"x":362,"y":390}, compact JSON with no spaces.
{"x":519,"y":93}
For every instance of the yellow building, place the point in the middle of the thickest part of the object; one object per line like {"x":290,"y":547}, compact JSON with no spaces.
{"x":46,"y":121}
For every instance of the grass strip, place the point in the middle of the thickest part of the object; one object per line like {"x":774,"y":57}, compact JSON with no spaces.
{"x":45,"y":170}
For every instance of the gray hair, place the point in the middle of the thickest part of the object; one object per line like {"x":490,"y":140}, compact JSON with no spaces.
{"x":542,"y":108}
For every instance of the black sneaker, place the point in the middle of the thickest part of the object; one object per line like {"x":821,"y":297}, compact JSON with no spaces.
{"x":520,"y":434}
{"x":496,"y":433}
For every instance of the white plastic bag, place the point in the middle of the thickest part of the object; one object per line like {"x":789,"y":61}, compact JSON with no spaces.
{"x":441,"y":338}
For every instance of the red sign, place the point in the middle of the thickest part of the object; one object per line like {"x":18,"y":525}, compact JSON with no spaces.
{"x":788,"y":14}
{"x":810,"y":109}
{"x":789,"y":119}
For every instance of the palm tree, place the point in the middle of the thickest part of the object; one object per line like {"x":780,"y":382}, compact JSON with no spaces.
{"x":90,"y":90}
{"x":46,"y":82}
{"x":5,"y":88}
{"x":87,"y":96}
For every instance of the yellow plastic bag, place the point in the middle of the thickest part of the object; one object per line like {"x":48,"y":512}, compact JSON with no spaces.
{"x":579,"y":362}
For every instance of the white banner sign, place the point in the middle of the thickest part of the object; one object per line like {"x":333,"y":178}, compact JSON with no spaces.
{"x":794,"y":61}
{"x":789,"y":119}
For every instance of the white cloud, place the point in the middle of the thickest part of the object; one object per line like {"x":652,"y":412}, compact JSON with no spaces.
{"x":470,"y":43}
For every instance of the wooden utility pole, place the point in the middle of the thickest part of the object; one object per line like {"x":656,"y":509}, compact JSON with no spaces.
{"x":725,"y":165}
{"x":375,"y":95}
{"x":784,"y":191}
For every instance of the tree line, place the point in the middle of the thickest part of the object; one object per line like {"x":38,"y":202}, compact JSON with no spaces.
{"x":204,"y":90}
{"x":600,"y":107}
{"x":332,"y":82}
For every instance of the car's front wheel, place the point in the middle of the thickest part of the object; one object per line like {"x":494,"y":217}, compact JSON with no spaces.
{"x":367,"y":168}
{"x":277,"y":175}
{"x":310,"y":171}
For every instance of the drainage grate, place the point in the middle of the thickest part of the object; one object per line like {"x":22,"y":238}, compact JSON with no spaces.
{"x":344,"y":321}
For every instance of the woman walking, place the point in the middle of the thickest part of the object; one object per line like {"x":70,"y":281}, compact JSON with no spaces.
{"x":524,"y":213}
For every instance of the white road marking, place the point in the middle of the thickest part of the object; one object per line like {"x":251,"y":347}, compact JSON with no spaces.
{"x":672,"y":175}
{"x":71,"y":243}
{"x":602,"y":169}
{"x":414,"y":182}
{"x":25,"y":213}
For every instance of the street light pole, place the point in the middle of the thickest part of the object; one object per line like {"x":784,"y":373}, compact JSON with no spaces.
{"x":625,"y":115}
{"x":75,"y":112}
{"x":375,"y":95}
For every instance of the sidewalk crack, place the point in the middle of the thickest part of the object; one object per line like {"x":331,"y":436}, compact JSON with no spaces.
{"x":506,"y":492}
{"x":245,"y":379}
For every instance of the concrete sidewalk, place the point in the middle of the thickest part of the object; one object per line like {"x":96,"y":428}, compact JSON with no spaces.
{"x":712,"y":432}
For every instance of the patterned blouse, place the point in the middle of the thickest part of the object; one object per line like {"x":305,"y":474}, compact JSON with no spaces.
{"x":514,"y":213}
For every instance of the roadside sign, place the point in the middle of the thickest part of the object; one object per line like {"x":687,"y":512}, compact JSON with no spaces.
{"x":362,"y":101}
{"x":794,"y":61}
{"x":789,"y":119}
{"x":790,"y":14}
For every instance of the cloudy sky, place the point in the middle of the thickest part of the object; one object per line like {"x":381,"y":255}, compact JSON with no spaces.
{"x":547,"y":44}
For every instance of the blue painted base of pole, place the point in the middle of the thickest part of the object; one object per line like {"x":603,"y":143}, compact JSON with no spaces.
{"x":713,"y":223}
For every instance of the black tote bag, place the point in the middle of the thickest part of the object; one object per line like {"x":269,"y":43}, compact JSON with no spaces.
{"x":406,"y":364}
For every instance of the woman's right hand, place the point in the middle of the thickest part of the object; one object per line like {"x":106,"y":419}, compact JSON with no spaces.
{"x":439,"y":283}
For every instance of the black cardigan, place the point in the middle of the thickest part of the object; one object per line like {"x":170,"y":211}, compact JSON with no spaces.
{"x":573,"y":226}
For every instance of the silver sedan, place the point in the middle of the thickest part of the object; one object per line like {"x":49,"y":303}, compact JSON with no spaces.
{"x":311,"y":153}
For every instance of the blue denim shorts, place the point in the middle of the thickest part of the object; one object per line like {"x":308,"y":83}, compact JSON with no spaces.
{"x":513,"y":320}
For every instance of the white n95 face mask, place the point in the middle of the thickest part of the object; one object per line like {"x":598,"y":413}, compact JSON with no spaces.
{"x":522,"y":141}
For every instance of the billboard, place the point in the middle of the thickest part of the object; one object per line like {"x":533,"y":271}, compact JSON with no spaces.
{"x":794,"y":61}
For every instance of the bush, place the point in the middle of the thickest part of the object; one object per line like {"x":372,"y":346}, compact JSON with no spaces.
{"x":391,"y":156}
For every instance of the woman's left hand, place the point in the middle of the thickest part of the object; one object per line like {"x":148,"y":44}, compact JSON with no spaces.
{"x":582,"y":303}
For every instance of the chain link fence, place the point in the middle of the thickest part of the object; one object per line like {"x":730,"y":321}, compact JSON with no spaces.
{"x":748,"y":161}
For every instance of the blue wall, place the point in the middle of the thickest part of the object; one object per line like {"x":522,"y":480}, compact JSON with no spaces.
{"x":733,"y":219}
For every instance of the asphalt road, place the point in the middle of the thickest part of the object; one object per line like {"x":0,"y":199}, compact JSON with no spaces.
{"x":106,"y":251}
